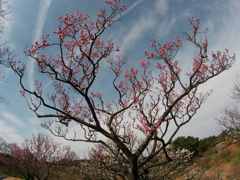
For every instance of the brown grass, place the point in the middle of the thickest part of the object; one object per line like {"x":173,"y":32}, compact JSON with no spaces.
{"x":12,"y":178}
{"x":221,"y":165}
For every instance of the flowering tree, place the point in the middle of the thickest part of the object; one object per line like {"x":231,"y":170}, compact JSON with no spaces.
{"x":35,"y":158}
{"x":152,"y":101}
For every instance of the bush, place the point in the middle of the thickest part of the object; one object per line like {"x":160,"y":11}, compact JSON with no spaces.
{"x":206,"y":143}
{"x":190,"y":143}
{"x":194,"y":144}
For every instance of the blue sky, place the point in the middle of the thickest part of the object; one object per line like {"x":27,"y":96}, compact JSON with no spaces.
{"x":144,"y":21}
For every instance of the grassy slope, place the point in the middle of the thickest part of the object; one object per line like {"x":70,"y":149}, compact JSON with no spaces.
{"x":221,"y":162}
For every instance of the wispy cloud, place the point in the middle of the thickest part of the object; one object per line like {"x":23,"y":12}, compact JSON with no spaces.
{"x":143,"y":24}
{"x":136,"y":32}
{"x":11,"y":119}
{"x":130,"y":9}
{"x":161,"y":7}
{"x":42,"y":15}
{"x":9,"y":125}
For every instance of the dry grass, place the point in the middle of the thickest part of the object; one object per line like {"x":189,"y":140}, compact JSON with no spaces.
{"x":12,"y":178}
{"x":217,"y":165}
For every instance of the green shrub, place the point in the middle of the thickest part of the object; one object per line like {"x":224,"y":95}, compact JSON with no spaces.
{"x":194,"y":144}
{"x":206,"y":143}
{"x":190,"y":143}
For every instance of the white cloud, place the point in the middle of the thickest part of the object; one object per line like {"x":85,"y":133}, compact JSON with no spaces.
{"x":9,"y":133}
{"x":9,"y":125}
{"x":136,"y":32}
{"x":11,"y":119}
{"x":161,"y":7}
{"x":165,"y":27}
{"x":42,"y":15}
{"x":143,"y":24}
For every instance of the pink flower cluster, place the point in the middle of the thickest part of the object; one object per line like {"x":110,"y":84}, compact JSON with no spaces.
{"x":38,"y":45}
{"x":144,"y":64}
{"x":167,"y":47}
{"x":199,"y":66}
{"x":150,"y":54}
{"x":115,"y":4}
{"x":164,"y":50}
{"x":131,"y":74}
{"x":71,"y":23}
{"x":146,"y":128}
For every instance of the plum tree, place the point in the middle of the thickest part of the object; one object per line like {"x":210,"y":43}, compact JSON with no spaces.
{"x":149,"y":98}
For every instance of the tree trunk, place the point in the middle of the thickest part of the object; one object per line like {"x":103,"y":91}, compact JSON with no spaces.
{"x":29,"y":177}
{"x":133,"y":174}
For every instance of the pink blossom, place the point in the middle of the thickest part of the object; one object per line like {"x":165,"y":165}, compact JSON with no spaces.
{"x":199,"y":66}
{"x":116,"y":4}
{"x":162,"y":52}
{"x":135,"y":99}
{"x":111,"y":2}
{"x":133,"y":72}
{"x":60,"y":33}
{"x":144,"y":64}
{"x":168,"y":45}
{"x":38,"y":45}
{"x":144,"y":126}
{"x":150,"y":55}
{"x":158,"y":123}
{"x":160,"y":66}
{"x":22,"y":92}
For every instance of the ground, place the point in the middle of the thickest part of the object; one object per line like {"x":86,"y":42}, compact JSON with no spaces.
{"x":221,"y":162}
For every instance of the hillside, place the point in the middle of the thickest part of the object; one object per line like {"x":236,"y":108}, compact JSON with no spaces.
{"x":220,"y":162}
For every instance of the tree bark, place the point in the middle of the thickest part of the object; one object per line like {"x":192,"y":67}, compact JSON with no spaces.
{"x":133,"y":175}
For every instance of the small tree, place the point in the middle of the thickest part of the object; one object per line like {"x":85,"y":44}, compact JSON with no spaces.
{"x":35,"y":158}
{"x":230,"y":119}
{"x":145,"y":104}
{"x":4,"y":146}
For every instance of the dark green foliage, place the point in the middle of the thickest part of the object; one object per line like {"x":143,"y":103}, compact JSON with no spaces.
{"x":190,"y":143}
{"x":206,"y":143}
{"x":194,"y":144}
